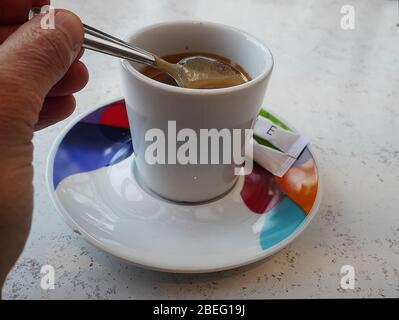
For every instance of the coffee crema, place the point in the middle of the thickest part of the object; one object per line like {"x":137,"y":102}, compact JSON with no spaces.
{"x":158,"y":75}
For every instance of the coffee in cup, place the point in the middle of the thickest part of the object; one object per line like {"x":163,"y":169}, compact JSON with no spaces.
{"x":161,"y":76}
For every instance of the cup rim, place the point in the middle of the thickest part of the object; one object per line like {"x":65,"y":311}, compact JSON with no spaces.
{"x":179,"y":90}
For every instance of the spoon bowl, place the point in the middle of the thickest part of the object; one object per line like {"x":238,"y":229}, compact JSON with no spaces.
{"x":200,"y":72}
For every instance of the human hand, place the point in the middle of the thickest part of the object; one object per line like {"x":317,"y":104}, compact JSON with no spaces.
{"x":39,"y":72}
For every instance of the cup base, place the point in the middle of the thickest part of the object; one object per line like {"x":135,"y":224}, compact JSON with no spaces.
{"x":140,"y":181}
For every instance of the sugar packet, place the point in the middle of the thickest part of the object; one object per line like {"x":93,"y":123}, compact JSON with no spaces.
{"x":274,"y":161}
{"x":275,"y":146}
{"x":287,"y":141}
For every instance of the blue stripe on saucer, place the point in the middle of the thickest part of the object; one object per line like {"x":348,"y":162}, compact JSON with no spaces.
{"x":89,"y":146}
{"x":281,"y":222}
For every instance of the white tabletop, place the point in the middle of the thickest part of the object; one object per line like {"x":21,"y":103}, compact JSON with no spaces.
{"x":340,"y":87}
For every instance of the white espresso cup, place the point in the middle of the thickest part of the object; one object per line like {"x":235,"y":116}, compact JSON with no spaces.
{"x":151,"y":104}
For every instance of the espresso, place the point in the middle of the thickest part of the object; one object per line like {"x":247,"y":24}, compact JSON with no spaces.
{"x":163,"y":77}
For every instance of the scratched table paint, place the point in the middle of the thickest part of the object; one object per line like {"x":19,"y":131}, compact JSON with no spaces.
{"x":339,"y":87}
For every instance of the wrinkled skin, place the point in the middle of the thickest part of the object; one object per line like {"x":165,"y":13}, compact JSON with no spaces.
{"x":39,"y":72}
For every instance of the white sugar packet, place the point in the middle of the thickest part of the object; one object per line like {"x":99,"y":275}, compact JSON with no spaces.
{"x":274,"y":161}
{"x":282,"y":146}
{"x":291,"y":143}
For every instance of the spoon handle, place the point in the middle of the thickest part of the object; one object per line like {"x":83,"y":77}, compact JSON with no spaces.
{"x":102,"y":42}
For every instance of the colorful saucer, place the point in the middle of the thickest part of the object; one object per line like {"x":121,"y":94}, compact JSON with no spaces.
{"x":93,"y":186}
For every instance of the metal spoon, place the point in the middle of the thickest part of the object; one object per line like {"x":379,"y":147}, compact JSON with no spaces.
{"x":191,"y":72}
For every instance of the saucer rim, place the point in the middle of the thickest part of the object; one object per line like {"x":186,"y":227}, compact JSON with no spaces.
{"x":167,"y":267}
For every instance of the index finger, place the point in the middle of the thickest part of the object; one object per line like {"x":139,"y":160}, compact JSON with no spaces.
{"x":17,"y":11}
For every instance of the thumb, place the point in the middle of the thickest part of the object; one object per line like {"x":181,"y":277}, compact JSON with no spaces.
{"x":33,"y":60}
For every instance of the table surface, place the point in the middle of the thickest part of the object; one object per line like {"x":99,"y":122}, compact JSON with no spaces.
{"x":339,"y":87}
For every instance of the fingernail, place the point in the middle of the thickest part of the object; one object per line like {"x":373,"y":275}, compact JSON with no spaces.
{"x":71,"y":25}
